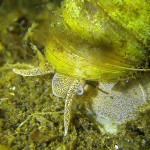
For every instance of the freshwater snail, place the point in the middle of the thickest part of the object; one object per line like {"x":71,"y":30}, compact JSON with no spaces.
{"x":85,"y":43}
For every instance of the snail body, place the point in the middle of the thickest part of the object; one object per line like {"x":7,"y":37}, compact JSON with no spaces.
{"x":120,"y":104}
{"x":85,"y":43}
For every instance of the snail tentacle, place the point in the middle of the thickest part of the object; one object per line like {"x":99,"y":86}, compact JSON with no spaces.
{"x":32,"y":72}
{"x":44,"y":66}
{"x":67,"y":87}
{"x":70,"y":97}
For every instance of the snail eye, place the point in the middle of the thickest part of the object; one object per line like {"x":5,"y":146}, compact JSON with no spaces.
{"x":80,"y":91}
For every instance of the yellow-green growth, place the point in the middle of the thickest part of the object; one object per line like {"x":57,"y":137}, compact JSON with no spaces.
{"x":132,"y":15}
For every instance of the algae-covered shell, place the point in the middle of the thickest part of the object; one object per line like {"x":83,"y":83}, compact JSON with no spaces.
{"x":91,"y":18}
{"x":89,"y":44}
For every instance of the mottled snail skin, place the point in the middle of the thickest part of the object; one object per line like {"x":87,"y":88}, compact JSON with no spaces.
{"x":85,"y":43}
{"x":120,"y":104}
{"x":67,"y":88}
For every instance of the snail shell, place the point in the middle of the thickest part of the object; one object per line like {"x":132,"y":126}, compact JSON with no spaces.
{"x":90,"y":45}
{"x":94,"y":19}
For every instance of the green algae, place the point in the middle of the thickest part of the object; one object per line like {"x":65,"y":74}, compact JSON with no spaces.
{"x":30,"y":101}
